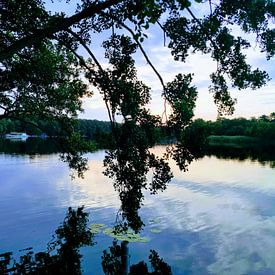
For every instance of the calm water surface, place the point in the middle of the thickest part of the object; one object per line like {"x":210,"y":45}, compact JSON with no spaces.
{"x":217,"y":218}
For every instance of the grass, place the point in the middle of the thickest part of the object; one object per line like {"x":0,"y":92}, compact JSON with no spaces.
{"x":234,"y":141}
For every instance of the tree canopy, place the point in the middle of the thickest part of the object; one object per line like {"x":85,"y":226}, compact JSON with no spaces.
{"x":42,"y":69}
{"x":45,"y":74}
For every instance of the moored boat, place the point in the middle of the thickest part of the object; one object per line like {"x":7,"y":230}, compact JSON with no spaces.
{"x":16,"y":135}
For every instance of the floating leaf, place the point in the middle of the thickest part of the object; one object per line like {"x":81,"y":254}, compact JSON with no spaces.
{"x":96,"y":228}
{"x":129,"y":236}
{"x":155,"y":230}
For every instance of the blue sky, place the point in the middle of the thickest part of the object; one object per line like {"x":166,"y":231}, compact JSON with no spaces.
{"x":249,"y":103}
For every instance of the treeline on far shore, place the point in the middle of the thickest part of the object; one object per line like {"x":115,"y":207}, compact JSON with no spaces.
{"x":90,"y":129}
{"x":86,"y":127}
{"x":222,"y":131}
{"x":235,"y":131}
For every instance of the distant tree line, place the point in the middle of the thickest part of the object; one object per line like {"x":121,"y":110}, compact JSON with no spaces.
{"x":262,"y":128}
{"x":87,"y":128}
{"x":98,"y":131}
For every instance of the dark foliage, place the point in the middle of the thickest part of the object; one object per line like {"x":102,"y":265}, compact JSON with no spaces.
{"x":62,"y":255}
{"x":113,"y":262}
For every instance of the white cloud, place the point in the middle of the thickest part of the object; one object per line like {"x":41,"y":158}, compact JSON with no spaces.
{"x":250,"y":103}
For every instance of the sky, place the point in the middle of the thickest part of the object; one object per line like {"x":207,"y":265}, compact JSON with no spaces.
{"x":250,"y":103}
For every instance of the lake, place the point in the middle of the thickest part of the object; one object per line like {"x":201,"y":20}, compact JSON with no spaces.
{"x":216,"y":218}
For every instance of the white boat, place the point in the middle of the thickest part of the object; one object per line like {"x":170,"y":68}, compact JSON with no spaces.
{"x":17,"y":135}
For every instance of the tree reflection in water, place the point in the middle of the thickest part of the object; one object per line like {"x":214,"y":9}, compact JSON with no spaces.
{"x":115,"y":262}
{"x":128,"y":165}
{"x":63,"y":255}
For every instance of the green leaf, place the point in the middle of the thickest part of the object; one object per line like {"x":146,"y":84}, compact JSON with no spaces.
{"x":129,"y":236}
{"x":96,"y":228}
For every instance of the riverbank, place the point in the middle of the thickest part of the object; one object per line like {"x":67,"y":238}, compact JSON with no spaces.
{"x":235,"y":141}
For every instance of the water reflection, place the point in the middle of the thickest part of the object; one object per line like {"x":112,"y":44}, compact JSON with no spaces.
{"x":217,"y":218}
{"x":128,"y":165}
{"x":260,"y":153}
{"x":63,"y":253}
{"x":36,"y":147}
{"x":71,"y":149}
{"x":115,"y":261}
{"x":31,"y":146}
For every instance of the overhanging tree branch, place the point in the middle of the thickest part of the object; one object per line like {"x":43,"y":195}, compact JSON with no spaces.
{"x":99,"y":67}
{"x":54,"y":25}
{"x":144,"y":54}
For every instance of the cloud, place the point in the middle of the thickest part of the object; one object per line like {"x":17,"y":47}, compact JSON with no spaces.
{"x":249,"y":102}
